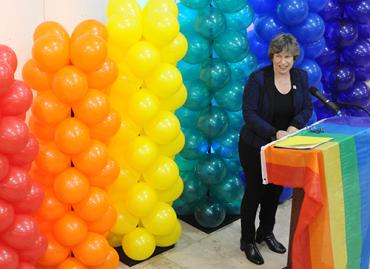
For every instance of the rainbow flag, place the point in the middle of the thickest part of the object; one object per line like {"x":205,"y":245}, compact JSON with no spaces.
{"x":333,"y":230}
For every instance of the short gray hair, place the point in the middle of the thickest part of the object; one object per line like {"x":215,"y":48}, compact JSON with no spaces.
{"x":284,"y":42}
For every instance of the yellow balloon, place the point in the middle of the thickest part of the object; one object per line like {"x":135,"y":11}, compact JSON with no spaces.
{"x":172,"y":193}
{"x":125,"y":6}
{"x":162,"y":174}
{"x":174,"y":51}
{"x":125,"y":221}
{"x":161,"y":220}
{"x":174,"y":147}
{"x":138,"y":244}
{"x":142,"y":58}
{"x":164,"y":128}
{"x":128,"y":131}
{"x":171,"y":238}
{"x":141,"y":199}
{"x":115,"y":54}
{"x":160,"y":28}
{"x":124,"y":29}
{"x":165,"y":6}
{"x":143,"y":106}
{"x":115,"y":240}
{"x":176,"y":100}
{"x":164,"y":81}
{"x":126,"y":179}
{"x":141,"y":153}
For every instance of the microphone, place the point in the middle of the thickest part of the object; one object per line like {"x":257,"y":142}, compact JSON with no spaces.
{"x":315,"y":92}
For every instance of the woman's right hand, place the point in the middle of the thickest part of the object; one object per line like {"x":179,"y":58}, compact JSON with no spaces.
{"x":280,"y":134}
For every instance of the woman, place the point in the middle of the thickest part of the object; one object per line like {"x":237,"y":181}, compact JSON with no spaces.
{"x":275,"y":103}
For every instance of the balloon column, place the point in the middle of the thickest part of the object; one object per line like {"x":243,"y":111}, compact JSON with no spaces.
{"x":72,"y":118}
{"x":21,"y":241}
{"x":146,"y":44}
{"x":215,"y":68}
{"x":346,"y":58}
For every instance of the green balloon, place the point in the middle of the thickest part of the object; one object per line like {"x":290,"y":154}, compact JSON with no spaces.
{"x":185,"y":164}
{"x":241,"y":70}
{"x":213,"y":122}
{"x":228,"y":189}
{"x":230,"y":6}
{"x":198,"y":95}
{"x":236,"y":120}
{"x":183,"y":208}
{"x":196,"y":144}
{"x":239,"y":21}
{"x":210,"y":169}
{"x":215,"y":73}
{"x":233,"y":208}
{"x":227,"y":145}
{"x":233,"y":164}
{"x":195,"y":4}
{"x":209,"y":213}
{"x":231,"y":46}
{"x":199,"y":48}
{"x":188,"y":71}
{"x":187,"y":117}
{"x":194,"y":189}
{"x":230,"y":97}
{"x":210,"y":22}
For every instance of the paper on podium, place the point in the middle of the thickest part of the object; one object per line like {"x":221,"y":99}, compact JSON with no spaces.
{"x":301,"y":142}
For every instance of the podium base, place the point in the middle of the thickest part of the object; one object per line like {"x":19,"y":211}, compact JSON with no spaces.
{"x":190,"y":219}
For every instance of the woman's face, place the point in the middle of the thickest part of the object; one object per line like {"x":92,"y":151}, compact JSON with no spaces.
{"x":282,"y":62}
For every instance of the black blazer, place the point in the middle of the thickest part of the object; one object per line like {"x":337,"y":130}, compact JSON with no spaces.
{"x":258,"y":105}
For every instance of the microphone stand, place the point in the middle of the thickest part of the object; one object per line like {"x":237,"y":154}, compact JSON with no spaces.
{"x":341,"y":104}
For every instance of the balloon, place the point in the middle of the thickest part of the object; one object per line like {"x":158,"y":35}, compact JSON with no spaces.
{"x":173,"y":147}
{"x":364,"y":30}
{"x":32,"y":201}
{"x":35,"y":252}
{"x":186,"y":18}
{"x":161,"y":220}
{"x":92,"y":27}
{"x":187,"y":117}
{"x":194,"y":188}
{"x":16,"y":100}
{"x":141,"y":153}
{"x":6,"y":77}
{"x":230,"y":97}
{"x":50,"y":28}
{"x":140,"y":199}
{"x":176,"y":100}
{"x":227,"y":144}
{"x":164,"y":128}
{"x":93,"y":250}
{"x":328,"y":57}
{"x":126,"y":222}
{"x":210,"y":169}
{"x":69,"y":230}
{"x":359,"y":11}
{"x":228,"y":190}
{"x":71,"y":186}
{"x":138,"y":244}
{"x":341,"y":78}
{"x":8,"y":56}
{"x":213,"y":122}
{"x":16,"y":185}
{"x":70,"y":84}
{"x":106,"y":175}
{"x":232,"y":46}
{"x":316,"y":5}
{"x":183,"y":208}
{"x":209,"y":213}
{"x":72,"y":136}
{"x":263,"y":6}
{"x":111,"y":261}
{"x":196,"y":144}
{"x":199,"y":49}
{"x":210,"y":22}
{"x":169,"y":239}
{"x":164,"y":6}
{"x":51,"y":160}
{"x":258,"y":46}
{"x":27,"y":154}
{"x":313,"y":70}
{"x":215,"y":73}
{"x":104,"y":76}
{"x":105,"y":222}
{"x":310,"y":30}
{"x":55,"y":253}
{"x":174,"y":51}
{"x":106,"y":128}
{"x":292,"y":12}
{"x":358,"y":54}
{"x":44,"y":132}
{"x":359,"y":93}
{"x":188,"y":70}
{"x":4,"y":166}
{"x":185,"y":164}
{"x":8,"y":257}
{"x":240,"y":20}
{"x":93,"y":159}
{"x":314,"y":49}
{"x":172,"y":193}
{"x":51,"y":52}
{"x":267,"y":27}
{"x":230,"y":6}
{"x":128,"y":6}
{"x":93,"y":206}
{"x":362,"y":73}
{"x":195,"y":4}
{"x":162,"y":174}
{"x":348,"y":33}
{"x":332,"y":11}
{"x":6,"y":216}
{"x":198,"y":96}
{"x":71,"y":263}
{"x":51,"y":208}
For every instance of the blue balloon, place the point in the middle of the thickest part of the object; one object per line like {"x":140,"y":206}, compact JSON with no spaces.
{"x":342,"y":78}
{"x":328,"y":57}
{"x":257,"y":45}
{"x":196,"y":144}
{"x":227,"y":145}
{"x":195,"y":4}
{"x":263,"y":63}
{"x":292,"y":12}
{"x":240,"y":71}
{"x":310,"y":30}
{"x":300,"y":57}
{"x":358,"y":54}
{"x":267,"y":27}
{"x":359,"y":94}
{"x":199,"y":49}
{"x":332,"y":34}
{"x":332,"y":11}
{"x":313,"y":70}
{"x":186,"y":18}
{"x":188,"y":71}
{"x":194,"y":189}
{"x":210,"y":169}
{"x":359,"y":11}
{"x":362,"y":73}
{"x":213,"y":122}
{"x":230,"y":188}
{"x":229,"y":6}
{"x":239,"y":21}
{"x":236,"y":120}
{"x":313,"y":119}
{"x":187,"y":117}
{"x":314,"y":49}
{"x":316,"y":5}
{"x":198,"y":95}
{"x":209,"y":213}
{"x":348,"y":32}
{"x":215,"y":73}
{"x":263,"y":6}
{"x":364,"y":30}
{"x":210,"y":22}
{"x":230,"y":97}
{"x":185,"y":164}
{"x":231,"y":46}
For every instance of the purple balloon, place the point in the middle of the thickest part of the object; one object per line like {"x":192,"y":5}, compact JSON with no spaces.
{"x":332,"y":34}
{"x":364,"y":30}
{"x":359,"y":94}
{"x":329,"y":56}
{"x":358,"y":54}
{"x":332,"y":11}
{"x":362,"y":73}
{"x":343,"y":78}
{"x":358,"y":11}
{"x":348,"y":32}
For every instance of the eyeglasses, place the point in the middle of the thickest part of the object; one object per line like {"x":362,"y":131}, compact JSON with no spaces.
{"x":316,"y":130}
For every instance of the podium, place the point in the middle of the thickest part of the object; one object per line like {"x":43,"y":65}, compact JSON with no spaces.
{"x":330,"y":222}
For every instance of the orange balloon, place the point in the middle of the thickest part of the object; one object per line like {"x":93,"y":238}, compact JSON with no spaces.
{"x":88,"y":52}
{"x":106,"y":176}
{"x":35,"y":77}
{"x":50,"y":28}
{"x":92,"y":108}
{"x":51,"y":208}
{"x":45,"y":226}
{"x":49,"y":109}
{"x":69,"y":230}
{"x":70,"y":84}
{"x":107,"y":127}
{"x":42,"y":130}
{"x":51,"y":160}
{"x":93,"y":206}
{"x":71,"y":263}
{"x":55,"y":253}
{"x":91,"y":26}
{"x":51,"y":52}
{"x":41,"y":176}
{"x":71,"y":186}
{"x":93,"y":250}
{"x":93,"y":159}
{"x":104,"y":223}
{"x":111,"y":261}
{"x":104,"y":76}
{"x":72,"y":136}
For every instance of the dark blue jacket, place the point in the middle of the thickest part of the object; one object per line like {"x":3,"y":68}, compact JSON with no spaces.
{"x":258,"y":105}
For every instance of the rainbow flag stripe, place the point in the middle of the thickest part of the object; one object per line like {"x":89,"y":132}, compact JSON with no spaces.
{"x":333,"y":230}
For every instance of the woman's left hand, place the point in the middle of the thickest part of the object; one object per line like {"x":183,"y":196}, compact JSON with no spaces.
{"x":291,"y":130}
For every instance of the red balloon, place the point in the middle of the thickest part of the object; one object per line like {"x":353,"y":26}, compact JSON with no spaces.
{"x":13,"y":135}
{"x":6,"y":215}
{"x":22,"y":233}
{"x":6,"y":77}
{"x":16,"y":100}
{"x":32,"y":201}
{"x":36,"y":251}
{"x":4,"y":166}
{"x":27,"y":154}
{"x":16,"y":185}
{"x":8,"y":258}
{"x":8,"y":55}
{"x":25,"y":265}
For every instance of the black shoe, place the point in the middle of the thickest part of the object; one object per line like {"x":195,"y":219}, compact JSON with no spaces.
{"x":252,"y":252}
{"x":270,"y":240}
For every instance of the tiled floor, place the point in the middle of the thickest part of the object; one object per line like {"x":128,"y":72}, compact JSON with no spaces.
{"x":220,"y":249}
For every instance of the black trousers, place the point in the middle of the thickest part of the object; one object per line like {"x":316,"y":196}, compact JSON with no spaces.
{"x":256,"y":194}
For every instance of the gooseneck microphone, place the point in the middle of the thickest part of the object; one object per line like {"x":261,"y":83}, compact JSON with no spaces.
{"x":315,"y":92}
